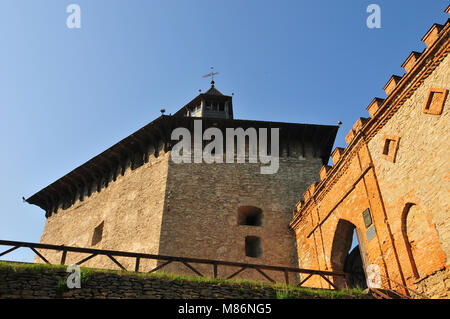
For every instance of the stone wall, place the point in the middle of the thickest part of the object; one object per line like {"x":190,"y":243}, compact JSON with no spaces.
{"x":52,"y":284}
{"x":44,"y":282}
{"x":418,"y":178}
{"x":436,"y":285}
{"x":189,"y":210}
{"x":131,"y":209}
{"x":200,"y":218}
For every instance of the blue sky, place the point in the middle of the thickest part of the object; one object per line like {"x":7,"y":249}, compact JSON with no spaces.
{"x":68,"y":94}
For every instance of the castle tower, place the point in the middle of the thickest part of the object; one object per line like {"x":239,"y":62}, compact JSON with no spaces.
{"x":134,"y":197}
{"x":212,"y":103}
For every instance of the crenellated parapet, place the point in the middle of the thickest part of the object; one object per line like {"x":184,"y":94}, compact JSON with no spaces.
{"x":418,"y":66}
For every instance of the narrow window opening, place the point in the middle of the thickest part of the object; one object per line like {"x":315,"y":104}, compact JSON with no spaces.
{"x":253,"y":246}
{"x":387,"y":146}
{"x":435,"y":101}
{"x":390,"y":147}
{"x":250,"y":216}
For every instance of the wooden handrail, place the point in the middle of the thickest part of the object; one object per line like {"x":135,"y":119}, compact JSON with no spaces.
{"x":409,"y":290}
{"x":168,"y":259}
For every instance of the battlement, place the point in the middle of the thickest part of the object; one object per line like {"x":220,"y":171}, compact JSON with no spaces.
{"x":397,"y":89}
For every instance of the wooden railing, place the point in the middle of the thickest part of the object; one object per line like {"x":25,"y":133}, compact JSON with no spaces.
{"x":396,"y":288}
{"x":166,"y":260}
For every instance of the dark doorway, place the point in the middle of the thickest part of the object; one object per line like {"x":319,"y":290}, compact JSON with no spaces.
{"x":346,"y":254}
{"x":253,"y":246}
{"x":354,"y":267}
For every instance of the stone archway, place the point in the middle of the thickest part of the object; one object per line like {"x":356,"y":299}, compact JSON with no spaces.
{"x":342,"y":259}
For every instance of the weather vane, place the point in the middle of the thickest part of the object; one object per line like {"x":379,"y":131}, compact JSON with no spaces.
{"x":211,"y":75}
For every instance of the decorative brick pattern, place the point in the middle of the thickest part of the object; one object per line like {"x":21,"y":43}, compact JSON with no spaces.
{"x":336,"y":155}
{"x":410,"y":61}
{"x":374,"y":106}
{"x":323,"y":171}
{"x":432,"y":35}
{"x":391,"y":84}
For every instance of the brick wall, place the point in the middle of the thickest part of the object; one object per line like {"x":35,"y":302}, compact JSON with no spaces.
{"x":396,"y":166}
{"x":419,"y":177}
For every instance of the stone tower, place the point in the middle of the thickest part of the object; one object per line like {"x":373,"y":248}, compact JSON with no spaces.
{"x":133,"y":197}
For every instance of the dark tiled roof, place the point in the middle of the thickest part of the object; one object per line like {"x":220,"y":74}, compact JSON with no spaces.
{"x":100,"y":168}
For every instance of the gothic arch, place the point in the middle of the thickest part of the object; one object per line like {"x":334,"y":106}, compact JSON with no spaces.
{"x":421,"y":241}
{"x":342,"y":242}
{"x":340,"y":255}
{"x":412,"y":262}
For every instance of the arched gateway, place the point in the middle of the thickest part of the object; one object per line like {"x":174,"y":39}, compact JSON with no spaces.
{"x":344,"y":258}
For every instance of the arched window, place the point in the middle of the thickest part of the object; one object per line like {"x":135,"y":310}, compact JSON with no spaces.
{"x":421,"y":241}
{"x":250,"y":216}
{"x":253,"y":246}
